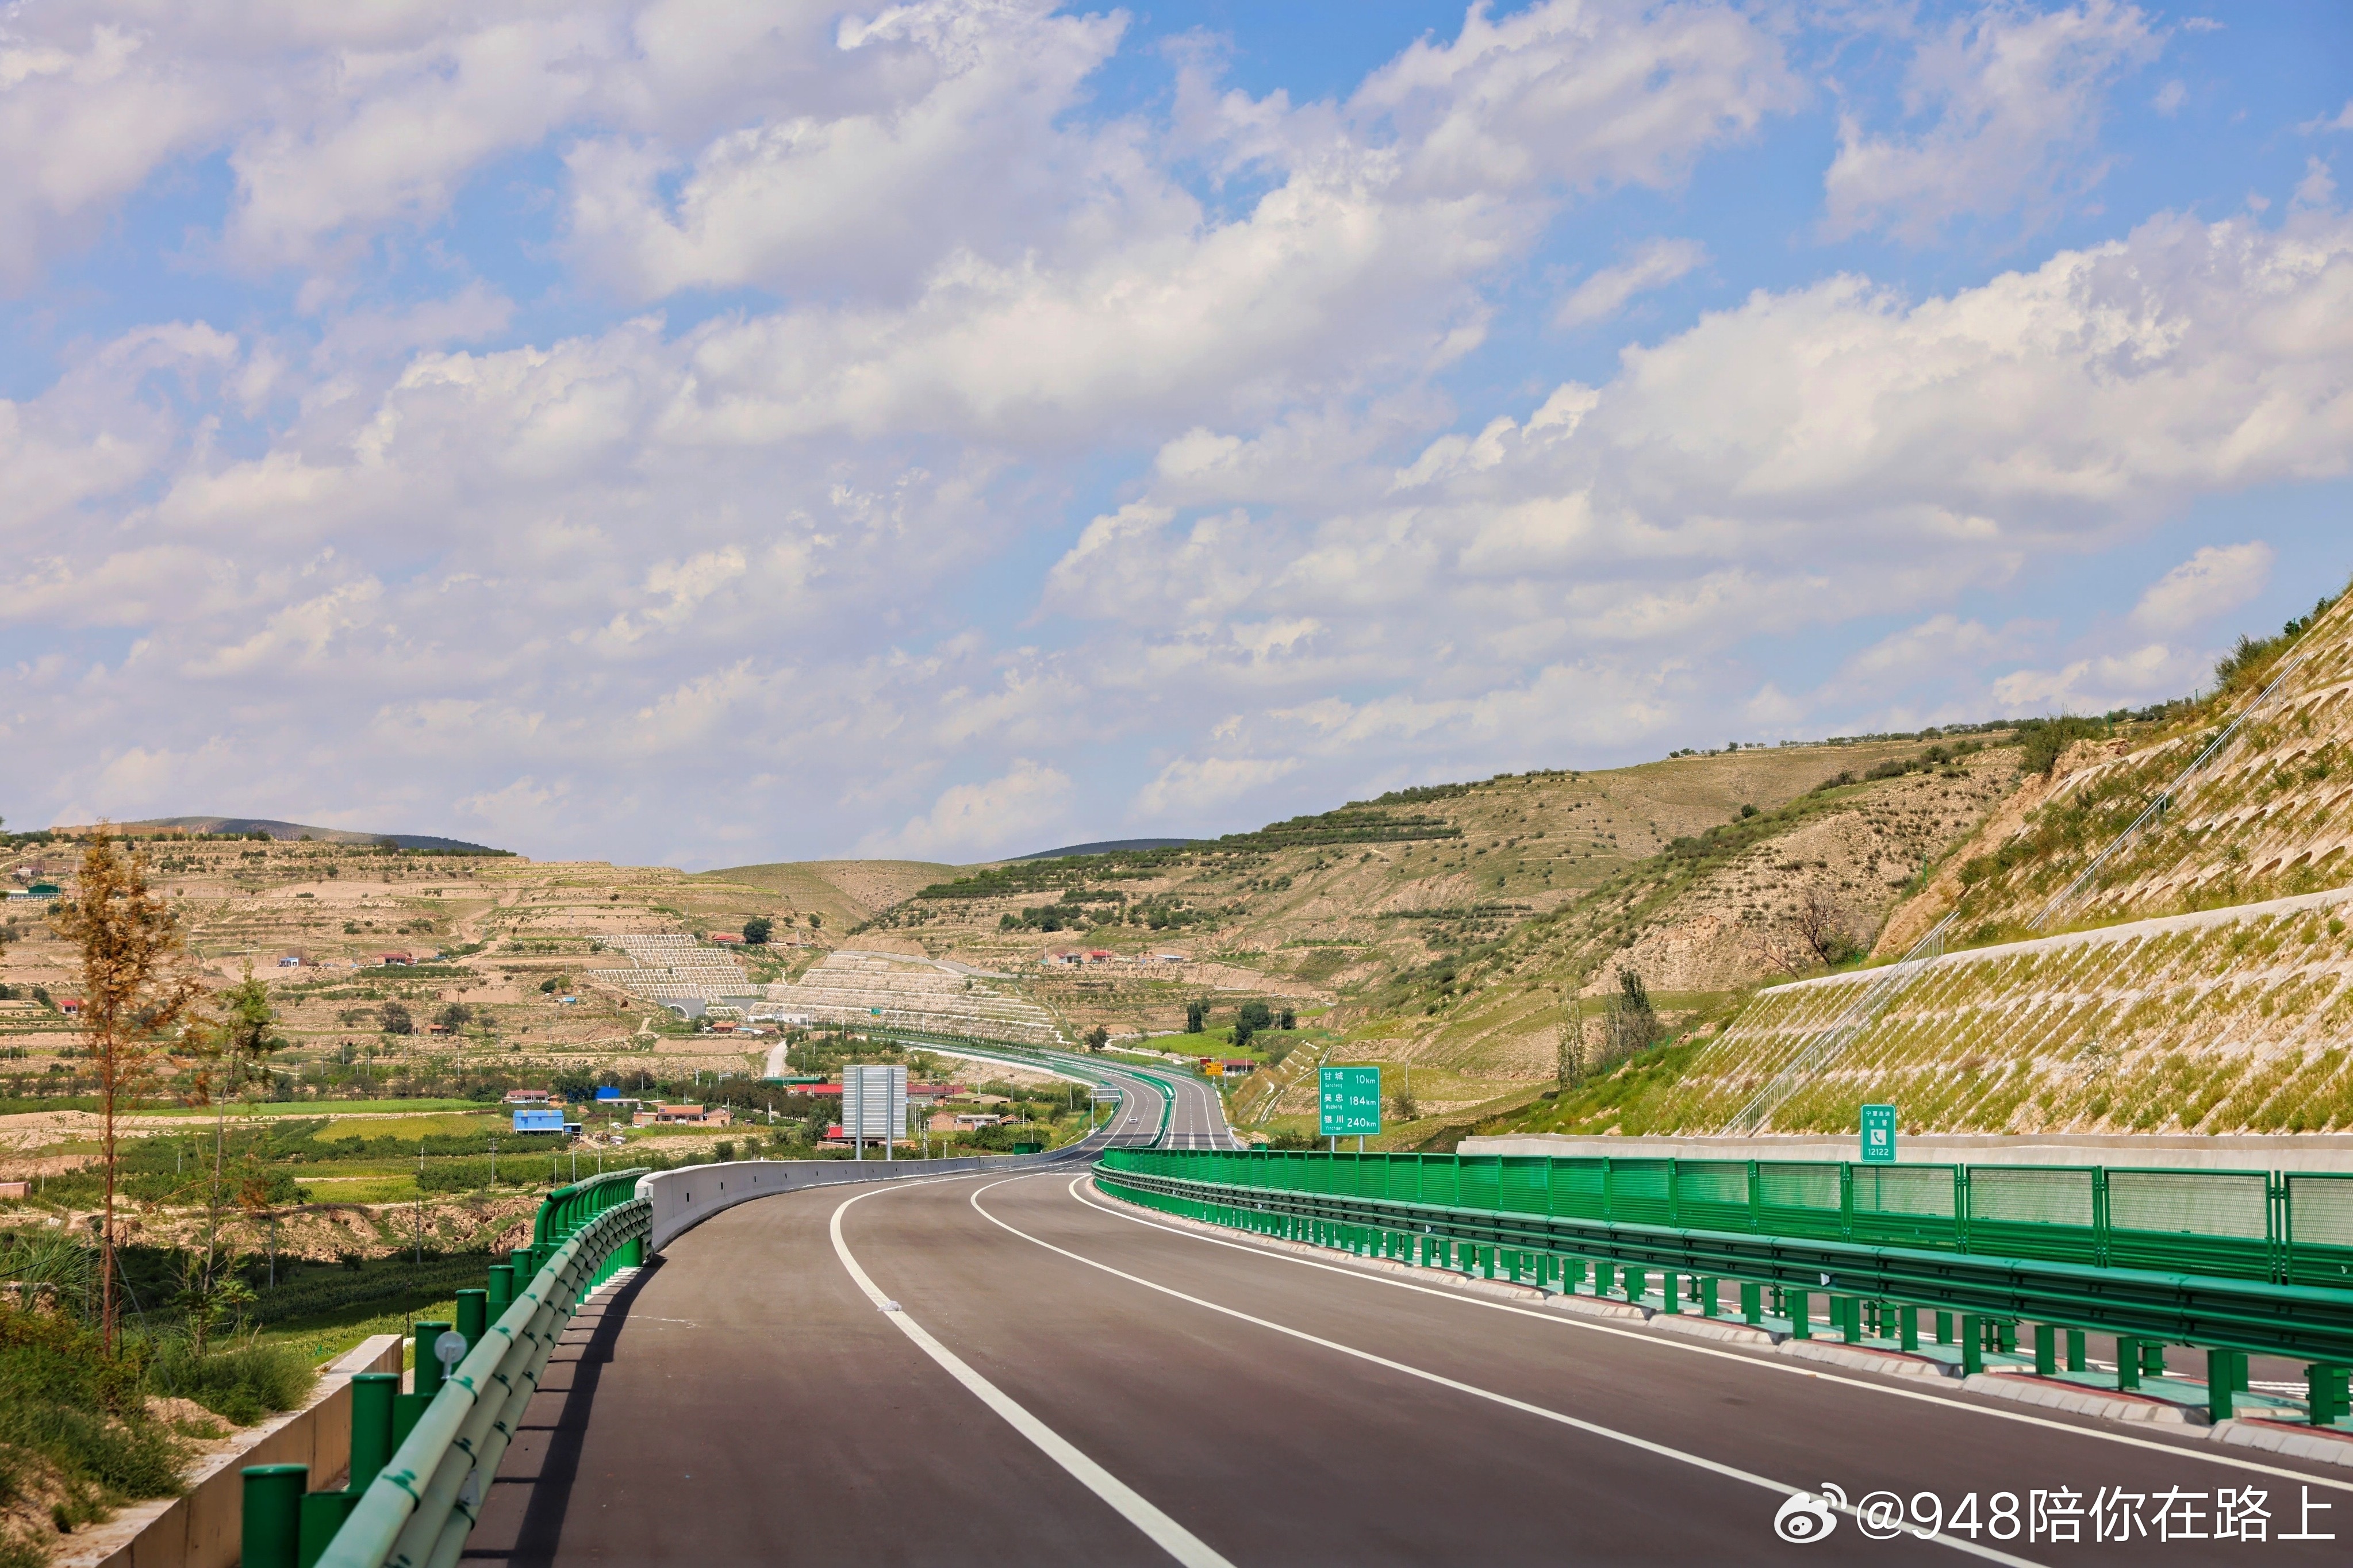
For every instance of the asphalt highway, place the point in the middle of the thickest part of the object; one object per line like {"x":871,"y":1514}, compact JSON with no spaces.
{"x":1010,"y":1368}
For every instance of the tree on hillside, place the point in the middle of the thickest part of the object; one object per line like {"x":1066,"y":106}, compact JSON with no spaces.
{"x":1097,"y":1038}
{"x":1630,"y":1023}
{"x":137,"y":986}
{"x":1197,"y":1017}
{"x":757,"y":929}
{"x":1825,"y":925}
{"x":455,"y":1017}
{"x":1258,"y":1015}
{"x":394,"y":1019}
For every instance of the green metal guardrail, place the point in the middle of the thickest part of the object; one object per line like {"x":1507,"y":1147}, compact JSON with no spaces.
{"x":422,"y":1461}
{"x":1507,"y":1227}
{"x":2290,"y":1228}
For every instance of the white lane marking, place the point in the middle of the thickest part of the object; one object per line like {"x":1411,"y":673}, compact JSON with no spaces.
{"x":1700,"y":1461}
{"x":1684,"y":1348}
{"x":1165,"y":1533}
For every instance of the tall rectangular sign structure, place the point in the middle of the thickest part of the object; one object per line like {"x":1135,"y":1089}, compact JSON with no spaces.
{"x":1350,"y":1103}
{"x":873,"y":1102}
{"x":1879,"y":1135}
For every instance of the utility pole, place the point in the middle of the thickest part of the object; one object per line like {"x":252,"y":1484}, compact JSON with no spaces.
{"x":420,"y":1203}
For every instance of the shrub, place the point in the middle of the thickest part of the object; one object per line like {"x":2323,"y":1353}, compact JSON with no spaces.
{"x":2042,"y":740}
{"x":65,"y":1399}
{"x":242,"y":1383}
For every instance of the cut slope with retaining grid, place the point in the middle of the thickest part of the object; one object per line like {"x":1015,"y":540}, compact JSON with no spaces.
{"x":2229,"y":1020}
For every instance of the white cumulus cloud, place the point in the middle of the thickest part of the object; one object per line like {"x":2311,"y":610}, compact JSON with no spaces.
{"x":2214,"y":582}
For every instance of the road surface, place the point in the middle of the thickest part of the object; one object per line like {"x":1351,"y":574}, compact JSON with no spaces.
{"x":1062,"y":1379}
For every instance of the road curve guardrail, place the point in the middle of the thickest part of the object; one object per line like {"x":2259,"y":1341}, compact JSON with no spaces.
{"x":2228,"y":1318}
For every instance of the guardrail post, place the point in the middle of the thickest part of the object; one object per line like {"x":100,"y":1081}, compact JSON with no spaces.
{"x":2076,"y":1360}
{"x":271,"y":1528}
{"x":2152,"y":1359}
{"x":1752,"y":1303}
{"x":1669,"y":1288}
{"x":372,"y":1396}
{"x":1944,"y":1328}
{"x":2046,"y":1349}
{"x":2324,"y":1387}
{"x":1907,"y":1327}
{"x":2225,"y":1373}
{"x":473,"y":1315}
{"x":429,"y":1365}
{"x":1707,"y":1308}
{"x":1972,"y":1344}
{"x":1637,"y":1282}
{"x":1604,"y":1276}
{"x":500,"y":1295}
{"x":1800,"y":1305}
{"x":2127,"y":1364}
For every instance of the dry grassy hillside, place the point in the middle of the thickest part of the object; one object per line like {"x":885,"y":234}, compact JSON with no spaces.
{"x":1415,"y":915}
{"x":2269,"y":815}
{"x":2197,"y":980}
{"x":842,"y":892}
{"x":1785,"y":892}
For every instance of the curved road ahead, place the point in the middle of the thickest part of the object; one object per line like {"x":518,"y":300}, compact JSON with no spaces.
{"x":1061,"y":1379}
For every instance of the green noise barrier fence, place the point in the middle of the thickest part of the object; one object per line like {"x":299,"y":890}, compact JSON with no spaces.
{"x":2291,"y":1228}
{"x":1799,"y":1230}
{"x":422,"y":1461}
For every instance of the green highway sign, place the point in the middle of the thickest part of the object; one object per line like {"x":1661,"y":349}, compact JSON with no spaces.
{"x":1879,"y":1135}
{"x":1350,"y":1105}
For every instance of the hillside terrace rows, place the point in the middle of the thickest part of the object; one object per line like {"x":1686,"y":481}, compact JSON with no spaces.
{"x":2224,"y":1021}
{"x":674,"y":969}
{"x":910,"y":993}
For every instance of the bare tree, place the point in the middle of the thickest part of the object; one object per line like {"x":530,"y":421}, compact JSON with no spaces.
{"x":137,"y":985}
{"x":1825,"y":925}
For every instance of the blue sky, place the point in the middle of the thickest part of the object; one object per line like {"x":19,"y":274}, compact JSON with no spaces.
{"x":656,"y":431}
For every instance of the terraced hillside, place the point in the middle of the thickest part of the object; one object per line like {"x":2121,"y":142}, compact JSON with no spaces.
{"x":499,"y":938}
{"x":2201,"y":976}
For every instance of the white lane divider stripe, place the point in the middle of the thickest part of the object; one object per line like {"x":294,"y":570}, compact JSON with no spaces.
{"x":1243,"y":1241}
{"x":1700,"y":1461}
{"x":1165,"y":1533}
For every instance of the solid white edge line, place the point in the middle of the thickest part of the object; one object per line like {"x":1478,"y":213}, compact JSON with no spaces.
{"x":1685,"y":1348}
{"x":1165,"y":1533}
{"x":1717,"y":1467}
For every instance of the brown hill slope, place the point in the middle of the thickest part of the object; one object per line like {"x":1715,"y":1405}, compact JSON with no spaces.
{"x":2123,"y":968}
{"x":2269,"y":814}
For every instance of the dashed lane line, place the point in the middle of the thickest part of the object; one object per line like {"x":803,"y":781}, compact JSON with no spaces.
{"x":1699,"y":1461}
{"x":1684,"y":1347}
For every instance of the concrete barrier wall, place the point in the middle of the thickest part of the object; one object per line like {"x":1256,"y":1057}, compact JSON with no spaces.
{"x":684,"y":1199}
{"x":203,"y":1527}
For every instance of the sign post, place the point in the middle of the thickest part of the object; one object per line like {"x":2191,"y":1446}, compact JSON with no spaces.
{"x":1349,"y":1102}
{"x":873,"y":1105}
{"x":1879,"y":1135}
